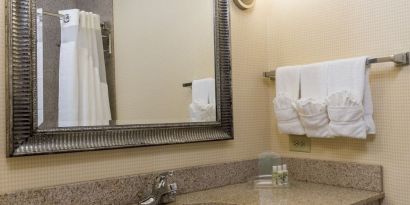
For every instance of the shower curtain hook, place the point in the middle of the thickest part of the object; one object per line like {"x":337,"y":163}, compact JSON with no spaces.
{"x":66,"y":18}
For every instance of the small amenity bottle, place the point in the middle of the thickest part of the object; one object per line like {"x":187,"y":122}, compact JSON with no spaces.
{"x":280,"y":175}
{"x":275,"y":176}
{"x":284,"y":178}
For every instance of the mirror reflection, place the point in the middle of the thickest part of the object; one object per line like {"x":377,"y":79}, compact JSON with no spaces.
{"x":125,"y":62}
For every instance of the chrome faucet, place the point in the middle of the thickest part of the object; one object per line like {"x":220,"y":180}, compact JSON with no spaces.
{"x":162,"y":191}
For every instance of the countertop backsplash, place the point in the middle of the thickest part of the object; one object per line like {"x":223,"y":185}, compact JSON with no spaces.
{"x":131,"y":189}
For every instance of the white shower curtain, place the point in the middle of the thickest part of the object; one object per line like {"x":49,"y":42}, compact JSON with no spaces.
{"x":40,"y":84}
{"x":83,"y":89}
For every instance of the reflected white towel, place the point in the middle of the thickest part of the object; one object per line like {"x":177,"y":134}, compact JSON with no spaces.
{"x":312,"y":108}
{"x":287,"y":92}
{"x":350,"y":99}
{"x":203,"y":107}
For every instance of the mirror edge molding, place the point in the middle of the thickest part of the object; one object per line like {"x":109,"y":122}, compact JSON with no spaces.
{"x":23,"y":139}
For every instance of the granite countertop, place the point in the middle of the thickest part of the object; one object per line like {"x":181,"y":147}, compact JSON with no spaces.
{"x":296,"y":194}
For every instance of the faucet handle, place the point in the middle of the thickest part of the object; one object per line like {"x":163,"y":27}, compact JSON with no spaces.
{"x":171,"y":195}
{"x":161,"y":180}
{"x":164,"y":176}
{"x":167,"y":174}
{"x":162,"y":191}
{"x":173,"y":187}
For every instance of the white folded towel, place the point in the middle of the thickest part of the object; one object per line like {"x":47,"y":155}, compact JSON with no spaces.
{"x":368,"y":105}
{"x":312,"y":108}
{"x":287,"y":92}
{"x":350,"y":106}
{"x":203,"y":107}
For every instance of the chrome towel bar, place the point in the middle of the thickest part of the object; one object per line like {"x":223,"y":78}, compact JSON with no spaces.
{"x":399,"y":59}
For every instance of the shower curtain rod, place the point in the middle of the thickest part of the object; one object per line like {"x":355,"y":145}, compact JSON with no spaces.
{"x":64,"y":17}
{"x":400,"y":59}
{"x":53,"y":14}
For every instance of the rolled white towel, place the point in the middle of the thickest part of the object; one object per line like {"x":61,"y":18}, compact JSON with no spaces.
{"x":346,"y":115}
{"x":313,"y":114}
{"x":203,"y":107}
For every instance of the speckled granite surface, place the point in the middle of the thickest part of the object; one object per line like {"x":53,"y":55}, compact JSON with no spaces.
{"x":298,"y":193}
{"x":344,"y":174}
{"x":207,"y":177}
{"x":131,"y":189}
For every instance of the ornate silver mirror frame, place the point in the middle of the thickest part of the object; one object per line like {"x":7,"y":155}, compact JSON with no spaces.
{"x":25,"y":139}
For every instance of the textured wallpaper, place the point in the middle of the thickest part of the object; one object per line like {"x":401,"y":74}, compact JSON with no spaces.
{"x":252,"y":123}
{"x":307,"y":31}
{"x":274,"y":33}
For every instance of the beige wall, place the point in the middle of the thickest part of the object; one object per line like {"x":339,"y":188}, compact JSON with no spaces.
{"x":251,"y":105}
{"x":159,"y":45}
{"x":334,"y":29}
{"x":314,"y":30}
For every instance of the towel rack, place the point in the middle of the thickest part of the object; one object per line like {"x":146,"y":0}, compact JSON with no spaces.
{"x":399,"y":59}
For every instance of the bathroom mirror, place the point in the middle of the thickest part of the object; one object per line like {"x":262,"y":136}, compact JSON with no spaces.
{"x":125,"y":62}
{"x":90,"y":75}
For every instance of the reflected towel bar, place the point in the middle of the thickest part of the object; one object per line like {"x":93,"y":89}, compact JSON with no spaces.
{"x":400,"y":59}
{"x":185,"y":85}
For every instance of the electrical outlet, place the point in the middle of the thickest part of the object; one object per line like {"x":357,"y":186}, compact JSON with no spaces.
{"x":299,"y":143}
